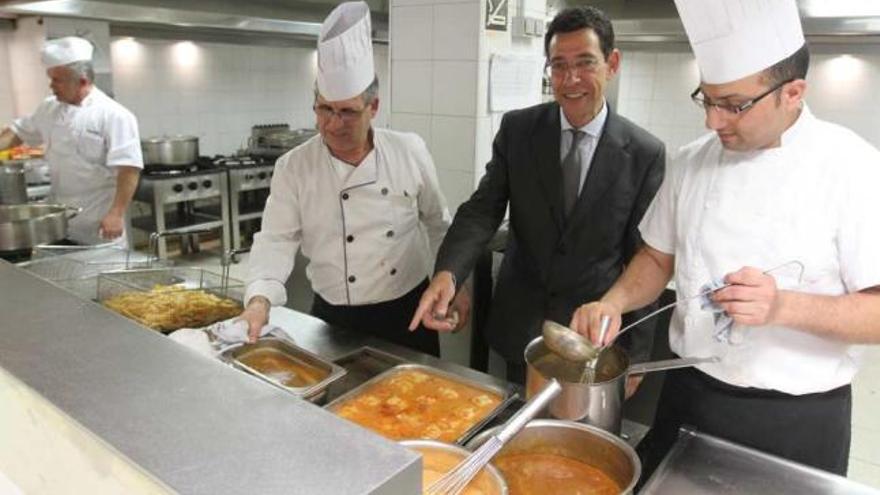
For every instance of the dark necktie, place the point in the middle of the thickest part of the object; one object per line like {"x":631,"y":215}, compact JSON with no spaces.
{"x":571,"y":172}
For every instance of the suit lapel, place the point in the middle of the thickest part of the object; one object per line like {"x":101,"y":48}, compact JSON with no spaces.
{"x":608,"y":158}
{"x":545,"y":140}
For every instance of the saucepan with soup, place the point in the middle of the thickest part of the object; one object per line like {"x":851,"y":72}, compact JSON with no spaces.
{"x":553,"y":456}
{"x":438,"y":458}
{"x":597,"y":401}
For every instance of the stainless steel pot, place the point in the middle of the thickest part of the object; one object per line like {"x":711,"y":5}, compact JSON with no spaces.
{"x":584,"y":443}
{"x":13,"y":182}
{"x":494,"y":478}
{"x":25,"y":226}
{"x":170,"y":150}
{"x":600,"y":402}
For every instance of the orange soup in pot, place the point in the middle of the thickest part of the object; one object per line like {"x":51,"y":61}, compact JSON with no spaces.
{"x":543,"y":474}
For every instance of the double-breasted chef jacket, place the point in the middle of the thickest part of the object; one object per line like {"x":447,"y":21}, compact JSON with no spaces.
{"x":84,"y":143}
{"x":370,"y":232}
{"x":809,"y":200}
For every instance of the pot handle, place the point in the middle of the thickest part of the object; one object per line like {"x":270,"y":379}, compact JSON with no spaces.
{"x":72,"y":211}
{"x":668,"y":364}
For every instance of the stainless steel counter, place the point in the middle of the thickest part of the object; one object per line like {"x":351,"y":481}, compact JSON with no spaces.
{"x":701,"y":464}
{"x":193,"y":423}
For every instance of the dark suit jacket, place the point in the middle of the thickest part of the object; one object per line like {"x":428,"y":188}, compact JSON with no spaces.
{"x":551,"y":266}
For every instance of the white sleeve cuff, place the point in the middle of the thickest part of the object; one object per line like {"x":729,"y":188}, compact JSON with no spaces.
{"x":272,"y":290}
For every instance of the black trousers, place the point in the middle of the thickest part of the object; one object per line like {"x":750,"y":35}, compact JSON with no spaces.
{"x":812,"y":429}
{"x":387,"y":320}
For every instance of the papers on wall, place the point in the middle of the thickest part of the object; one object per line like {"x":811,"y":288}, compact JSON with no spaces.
{"x":514,"y":81}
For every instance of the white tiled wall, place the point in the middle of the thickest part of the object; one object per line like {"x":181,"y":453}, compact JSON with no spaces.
{"x":654,"y":91}
{"x":218,"y":91}
{"x":435,"y":50}
{"x":29,"y":83}
{"x":7,"y":102}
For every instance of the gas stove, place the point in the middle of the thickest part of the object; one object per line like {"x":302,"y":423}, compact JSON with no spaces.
{"x":199,"y":192}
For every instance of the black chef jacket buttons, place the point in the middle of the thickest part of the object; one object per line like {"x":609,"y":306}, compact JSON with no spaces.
{"x":344,"y":196}
{"x":390,"y":233}
{"x":394,"y":271}
{"x":351,"y":278}
{"x":384,"y":191}
{"x":350,"y":238}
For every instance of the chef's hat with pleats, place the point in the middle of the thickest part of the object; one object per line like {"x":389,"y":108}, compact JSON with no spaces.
{"x":345,"y":52}
{"x":67,"y":50}
{"x":733,"y":39}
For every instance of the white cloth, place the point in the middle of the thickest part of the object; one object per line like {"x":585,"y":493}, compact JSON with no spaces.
{"x":733,"y":39}
{"x":235,"y":330}
{"x":67,"y":50}
{"x":84,"y":144}
{"x":811,"y":200}
{"x":370,"y":235}
{"x":345,"y":52}
{"x":586,"y":146}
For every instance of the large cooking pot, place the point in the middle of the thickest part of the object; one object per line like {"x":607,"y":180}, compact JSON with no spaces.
{"x":25,"y":226}
{"x":13,"y":182}
{"x":170,"y":150}
{"x":587,"y":444}
{"x":599,"y":402}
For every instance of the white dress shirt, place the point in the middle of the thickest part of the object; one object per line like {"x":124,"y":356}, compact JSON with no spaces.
{"x":587,"y":145}
{"x":370,"y":232}
{"x":84,"y":144}
{"x":810,"y":200}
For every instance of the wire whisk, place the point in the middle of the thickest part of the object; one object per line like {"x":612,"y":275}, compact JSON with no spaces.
{"x":457,"y":479}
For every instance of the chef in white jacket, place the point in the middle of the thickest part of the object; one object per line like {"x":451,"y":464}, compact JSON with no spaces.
{"x":771,"y":184}
{"x":92,"y":144}
{"x":363,"y":204}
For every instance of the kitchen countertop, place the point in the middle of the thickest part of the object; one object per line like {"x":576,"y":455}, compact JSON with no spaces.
{"x":701,"y":464}
{"x":193,"y":423}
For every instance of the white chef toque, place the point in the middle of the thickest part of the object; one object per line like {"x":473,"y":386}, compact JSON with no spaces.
{"x":733,"y":39}
{"x":345,"y":52}
{"x":63,"y":51}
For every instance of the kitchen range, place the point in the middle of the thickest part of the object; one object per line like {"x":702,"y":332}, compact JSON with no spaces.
{"x":198,"y":193}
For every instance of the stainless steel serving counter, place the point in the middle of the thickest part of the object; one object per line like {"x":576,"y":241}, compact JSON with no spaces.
{"x":701,"y":464}
{"x":192,"y":423}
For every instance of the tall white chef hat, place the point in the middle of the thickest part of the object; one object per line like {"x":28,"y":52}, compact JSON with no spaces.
{"x":345,"y":52}
{"x":63,"y":51}
{"x":733,"y":39}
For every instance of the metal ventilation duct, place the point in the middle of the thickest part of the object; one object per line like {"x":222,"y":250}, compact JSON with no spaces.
{"x":850,"y":21}
{"x":286,"y":20}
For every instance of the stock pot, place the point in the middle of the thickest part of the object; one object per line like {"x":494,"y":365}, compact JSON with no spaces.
{"x":170,"y":150}
{"x":13,"y":182}
{"x":600,"y":402}
{"x":25,"y":226}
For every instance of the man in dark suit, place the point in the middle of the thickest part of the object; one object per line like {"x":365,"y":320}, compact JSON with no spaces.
{"x":577,"y":178}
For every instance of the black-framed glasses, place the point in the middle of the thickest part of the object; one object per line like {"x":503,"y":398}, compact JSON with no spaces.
{"x":346,"y":115}
{"x":706,"y":104}
{"x":580,"y":66}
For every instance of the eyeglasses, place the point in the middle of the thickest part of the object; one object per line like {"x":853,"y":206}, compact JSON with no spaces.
{"x":346,"y":115}
{"x":706,"y":104}
{"x":581,"y":67}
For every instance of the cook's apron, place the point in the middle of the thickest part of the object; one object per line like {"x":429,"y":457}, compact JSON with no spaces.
{"x":813,"y":429}
{"x":79,"y":177}
{"x":388,"y":320}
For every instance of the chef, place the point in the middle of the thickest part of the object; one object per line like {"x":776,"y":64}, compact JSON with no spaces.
{"x":776,"y":204}
{"x":362,"y":203}
{"x":92,"y":144}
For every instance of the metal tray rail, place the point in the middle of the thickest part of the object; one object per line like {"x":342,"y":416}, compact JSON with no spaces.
{"x":506,"y":395}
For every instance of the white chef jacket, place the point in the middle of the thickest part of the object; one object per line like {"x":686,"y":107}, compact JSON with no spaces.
{"x":811,"y":200}
{"x":370,"y":235}
{"x":83,"y":145}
